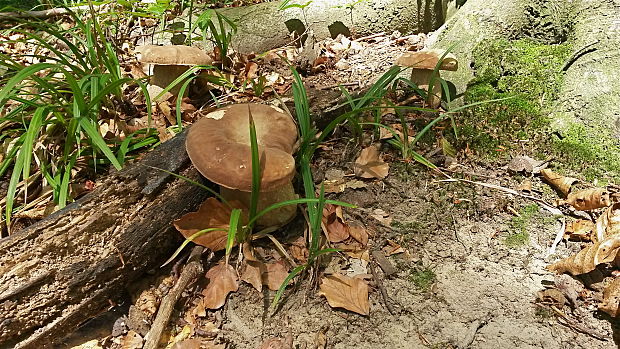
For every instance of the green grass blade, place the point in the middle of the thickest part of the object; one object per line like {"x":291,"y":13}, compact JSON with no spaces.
{"x":256,"y":169}
{"x":98,"y":141}
{"x":289,"y":277}
{"x":187,"y":241}
{"x":232,"y":231}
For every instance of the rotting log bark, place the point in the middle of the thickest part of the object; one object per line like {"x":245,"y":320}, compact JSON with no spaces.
{"x":58,"y":273}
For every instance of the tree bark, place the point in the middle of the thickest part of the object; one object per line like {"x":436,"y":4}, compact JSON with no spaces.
{"x":263,"y":26}
{"x":61,"y":271}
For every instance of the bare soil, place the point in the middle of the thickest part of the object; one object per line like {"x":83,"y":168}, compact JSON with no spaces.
{"x":467,"y":276}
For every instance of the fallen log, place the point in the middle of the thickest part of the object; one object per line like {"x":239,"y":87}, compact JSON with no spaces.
{"x":69,"y":267}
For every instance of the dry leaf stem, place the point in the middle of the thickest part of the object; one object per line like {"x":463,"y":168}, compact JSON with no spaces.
{"x":382,"y":289}
{"x":191,"y":271}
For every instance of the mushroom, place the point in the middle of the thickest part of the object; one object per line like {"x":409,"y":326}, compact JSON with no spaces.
{"x":168,"y":63}
{"x":423,"y":64}
{"x":219,"y":147}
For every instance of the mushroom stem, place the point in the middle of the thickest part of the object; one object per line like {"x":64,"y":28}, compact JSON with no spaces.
{"x":274,"y":218}
{"x":164,"y":75}
{"x":422,"y":77}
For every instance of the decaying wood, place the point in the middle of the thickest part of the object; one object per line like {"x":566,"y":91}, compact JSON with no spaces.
{"x":61,"y":271}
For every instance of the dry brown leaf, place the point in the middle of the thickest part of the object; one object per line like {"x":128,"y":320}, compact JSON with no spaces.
{"x":611,"y":298}
{"x":559,"y":182}
{"x":359,"y":233}
{"x":382,"y":216}
{"x":589,"y":199}
{"x":346,"y":292}
{"x":580,"y":263}
{"x":335,"y":227}
{"x":608,"y":250}
{"x":222,"y":280}
{"x":589,"y":257}
{"x":526,"y":164}
{"x":608,"y":223}
{"x":211,"y":214}
{"x":369,"y":165}
{"x":298,"y":249}
{"x":334,"y":186}
{"x":526,"y":185}
{"x":132,"y":340}
{"x":580,"y":230}
{"x":252,"y":274}
{"x":193,"y":343}
{"x":274,"y":275}
{"x":552,"y":296}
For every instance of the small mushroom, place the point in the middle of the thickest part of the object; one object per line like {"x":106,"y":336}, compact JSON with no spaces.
{"x":423,"y":64}
{"x":168,"y":63}
{"x":219,"y":147}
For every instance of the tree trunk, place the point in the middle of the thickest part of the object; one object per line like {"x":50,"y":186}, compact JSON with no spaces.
{"x":263,"y":26}
{"x":585,"y":116}
{"x":71,"y":266}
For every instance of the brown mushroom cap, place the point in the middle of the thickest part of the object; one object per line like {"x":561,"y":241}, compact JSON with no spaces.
{"x":427,"y":59}
{"x":172,"y":55}
{"x":219,"y":146}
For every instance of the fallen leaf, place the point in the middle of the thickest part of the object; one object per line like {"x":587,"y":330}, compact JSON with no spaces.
{"x":193,"y":343}
{"x":589,"y":257}
{"x":382,"y":216}
{"x":184,"y":334}
{"x":355,"y":184}
{"x":252,"y":274}
{"x":526,"y":185}
{"x":559,"y":182}
{"x":274,"y":275}
{"x":552,"y":296}
{"x":335,"y":228}
{"x":298,"y":249}
{"x":346,"y":292}
{"x":611,"y":298}
{"x":588,"y":199}
{"x":132,"y":340}
{"x":608,"y":250}
{"x":525,"y":164}
{"x":222,"y":280}
{"x":579,"y":230}
{"x":369,"y":165}
{"x":359,"y":233}
{"x":92,"y":344}
{"x":334,"y":186}
{"x":447,"y":148}
{"x":609,"y":222}
{"x":211,"y":214}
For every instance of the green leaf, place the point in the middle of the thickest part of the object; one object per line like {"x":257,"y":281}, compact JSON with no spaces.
{"x":98,"y":142}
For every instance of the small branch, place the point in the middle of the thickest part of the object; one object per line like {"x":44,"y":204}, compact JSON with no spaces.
{"x":384,"y":295}
{"x":191,"y":271}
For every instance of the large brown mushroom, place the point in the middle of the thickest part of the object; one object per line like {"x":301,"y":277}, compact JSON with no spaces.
{"x":423,"y":64}
{"x":168,"y":63}
{"x":219,"y":147}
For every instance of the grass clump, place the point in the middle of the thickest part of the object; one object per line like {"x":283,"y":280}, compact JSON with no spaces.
{"x":423,"y":278}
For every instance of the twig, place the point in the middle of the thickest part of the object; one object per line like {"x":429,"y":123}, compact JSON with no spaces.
{"x":372,"y":36}
{"x":45,"y":13}
{"x":192,"y":270}
{"x":577,"y":326}
{"x":577,"y":54}
{"x":384,"y":295}
{"x":545,"y":205}
{"x":384,"y":263}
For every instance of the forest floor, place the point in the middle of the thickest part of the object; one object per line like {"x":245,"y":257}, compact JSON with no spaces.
{"x":469,"y":260}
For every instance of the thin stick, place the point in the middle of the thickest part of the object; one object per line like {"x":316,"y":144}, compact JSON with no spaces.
{"x":191,"y":271}
{"x":384,"y":295}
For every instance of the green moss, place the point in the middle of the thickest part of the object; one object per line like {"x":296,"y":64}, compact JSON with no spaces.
{"x":423,"y":278}
{"x":527,"y":73}
{"x":518,"y":226}
{"x":530,"y":75}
